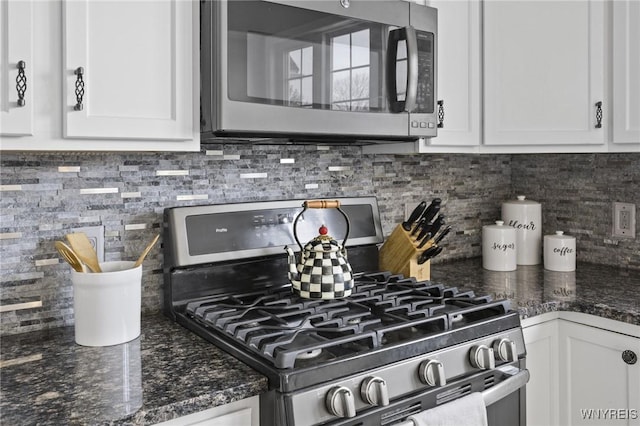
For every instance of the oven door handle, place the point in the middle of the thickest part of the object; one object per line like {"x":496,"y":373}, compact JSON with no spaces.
{"x":505,"y":388}
{"x":497,"y":392}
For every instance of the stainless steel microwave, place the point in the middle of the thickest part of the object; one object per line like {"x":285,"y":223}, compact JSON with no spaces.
{"x":355,"y":70}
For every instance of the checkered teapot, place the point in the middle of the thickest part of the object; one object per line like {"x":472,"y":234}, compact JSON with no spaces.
{"x":323,"y":271}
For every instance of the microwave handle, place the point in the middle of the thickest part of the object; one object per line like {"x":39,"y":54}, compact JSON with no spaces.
{"x":407,"y":34}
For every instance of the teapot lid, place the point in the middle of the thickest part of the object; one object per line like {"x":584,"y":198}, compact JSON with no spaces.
{"x":323,"y":242}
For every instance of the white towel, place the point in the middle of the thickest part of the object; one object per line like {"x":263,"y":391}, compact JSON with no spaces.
{"x":466,"y":411}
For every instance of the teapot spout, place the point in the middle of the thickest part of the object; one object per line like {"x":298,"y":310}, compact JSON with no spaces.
{"x":293,"y":268}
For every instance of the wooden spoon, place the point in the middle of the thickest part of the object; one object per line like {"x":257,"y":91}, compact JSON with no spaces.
{"x":82,"y":246}
{"x":69,"y":255}
{"x":146,"y":251}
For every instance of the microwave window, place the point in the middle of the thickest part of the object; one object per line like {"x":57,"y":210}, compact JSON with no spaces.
{"x":290,"y":56}
{"x":300,"y":77}
{"x":350,"y":71}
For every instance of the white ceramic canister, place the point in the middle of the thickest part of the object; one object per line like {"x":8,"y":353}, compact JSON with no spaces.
{"x":525,"y":216}
{"x":499,"y":247}
{"x":560,"y":252}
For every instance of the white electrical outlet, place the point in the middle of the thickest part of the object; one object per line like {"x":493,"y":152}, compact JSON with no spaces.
{"x":96,"y":236}
{"x":624,"y":220}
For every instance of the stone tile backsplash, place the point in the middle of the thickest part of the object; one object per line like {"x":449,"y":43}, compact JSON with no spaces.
{"x":43,"y":196}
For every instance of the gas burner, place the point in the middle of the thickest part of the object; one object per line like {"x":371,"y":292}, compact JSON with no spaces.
{"x":314,"y":353}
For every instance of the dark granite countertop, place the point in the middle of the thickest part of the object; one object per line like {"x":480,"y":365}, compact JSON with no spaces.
{"x":168,"y":371}
{"x":600,"y":290}
{"x":47,"y":379}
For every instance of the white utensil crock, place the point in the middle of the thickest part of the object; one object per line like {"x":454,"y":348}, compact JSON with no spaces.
{"x":499,"y":247}
{"x":525,"y":216}
{"x":107,"y":304}
{"x":559,"y":252}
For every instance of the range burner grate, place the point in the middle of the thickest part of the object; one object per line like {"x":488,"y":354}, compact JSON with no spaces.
{"x":383,"y":310}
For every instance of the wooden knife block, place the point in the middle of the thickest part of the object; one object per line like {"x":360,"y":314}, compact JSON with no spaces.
{"x":399,"y":255}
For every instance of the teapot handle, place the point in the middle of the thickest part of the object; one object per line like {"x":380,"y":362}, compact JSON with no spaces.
{"x":320,"y":204}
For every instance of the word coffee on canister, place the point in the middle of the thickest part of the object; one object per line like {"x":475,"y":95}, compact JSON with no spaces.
{"x":560,"y":252}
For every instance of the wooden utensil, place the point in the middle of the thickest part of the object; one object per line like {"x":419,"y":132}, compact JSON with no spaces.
{"x":146,"y":251}
{"x":69,"y":255}
{"x":80,"y":244}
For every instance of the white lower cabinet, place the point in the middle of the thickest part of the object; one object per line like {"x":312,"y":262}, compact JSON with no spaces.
{"x":582,"y":370}
{"x":245,"y":412}
{"x":541,"y":342}
{"x":599,"y":386}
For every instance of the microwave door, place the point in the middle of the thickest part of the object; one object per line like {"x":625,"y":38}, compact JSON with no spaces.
{"x":315,"y":72}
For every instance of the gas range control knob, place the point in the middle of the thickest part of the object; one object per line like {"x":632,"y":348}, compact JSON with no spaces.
{"x":340,"y":402}
{"x":431,"y":372}
{"x":505,"y":350}
{"x":373,"y":391}
{"x":481,"y":356}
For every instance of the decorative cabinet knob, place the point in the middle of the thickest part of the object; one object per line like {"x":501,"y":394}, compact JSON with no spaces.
{"x":505,"y":350}
{"x":79,"y":72}
{"x":598,"y":115}
{"x":340,"y":402}
{"x":374,"y":391}
{"x":431,"y":372}
{"x":21,"y":83}
{"x":630,"y":357}
{"x":482,"y":357}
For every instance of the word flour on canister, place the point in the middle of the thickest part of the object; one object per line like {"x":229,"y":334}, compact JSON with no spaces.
{"x":525,"y":216}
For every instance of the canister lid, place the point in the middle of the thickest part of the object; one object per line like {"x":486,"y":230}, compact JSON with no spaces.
{"x":559,"y":235}
{"x":499,"y":225}
{"x":521,"y":200}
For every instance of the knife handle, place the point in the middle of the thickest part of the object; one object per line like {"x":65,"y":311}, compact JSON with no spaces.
{"x":418,"y":227}
{"x":442,"y":234}
{"x":428,"y":238}
{"x":415,"y":215}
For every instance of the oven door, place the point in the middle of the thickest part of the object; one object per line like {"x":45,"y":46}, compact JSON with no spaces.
{"x":319,"y":68}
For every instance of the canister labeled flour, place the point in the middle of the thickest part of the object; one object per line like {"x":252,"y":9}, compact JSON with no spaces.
{"x":560,"y":252}
{"x":525,"y":216}
{"x":499,"y":247}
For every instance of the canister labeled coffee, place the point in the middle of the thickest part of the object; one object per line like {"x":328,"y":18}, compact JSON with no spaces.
{"x":559,"y":252}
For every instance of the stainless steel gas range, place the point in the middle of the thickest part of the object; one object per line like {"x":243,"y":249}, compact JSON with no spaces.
{"x":392,"y":349}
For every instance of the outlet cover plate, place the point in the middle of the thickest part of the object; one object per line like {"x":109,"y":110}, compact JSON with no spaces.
{"x":96,"y":236}
{"x":624,"y":220}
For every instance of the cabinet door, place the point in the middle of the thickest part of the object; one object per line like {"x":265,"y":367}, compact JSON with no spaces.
{"x":459,"y":47}
{"x":543,"y":72}
{"x":16,"y":48}
{"x":541,"y":341}
{"x":626,"y":71}
{"x":601,"y":388}
{"x":136,"y":60}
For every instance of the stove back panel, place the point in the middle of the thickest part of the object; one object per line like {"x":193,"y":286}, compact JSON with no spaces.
{"x":233,"y":248}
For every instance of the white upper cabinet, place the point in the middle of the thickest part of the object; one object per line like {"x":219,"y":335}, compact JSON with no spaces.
{"x":133,"y":56}
{"x":544,"y":73}
{"x":626,"y":73}
{"x":459,"y":48}
{"x":16,"y":65}
{"x":110,"y":76}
